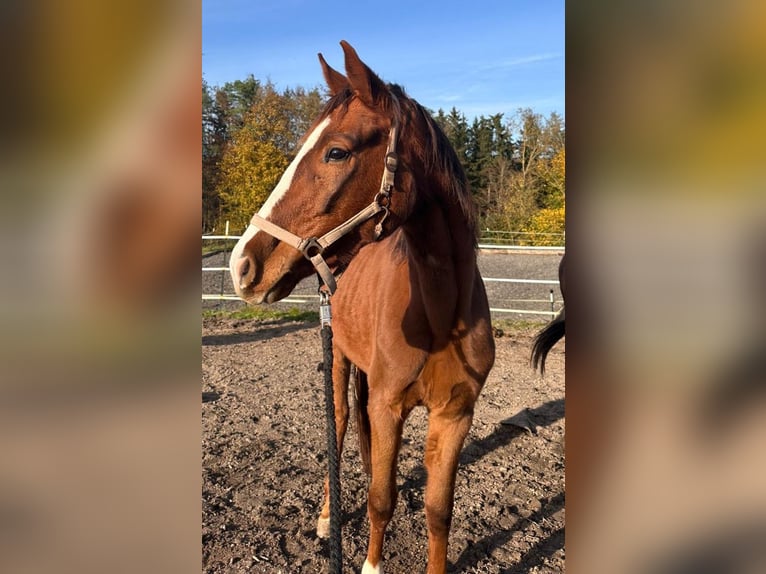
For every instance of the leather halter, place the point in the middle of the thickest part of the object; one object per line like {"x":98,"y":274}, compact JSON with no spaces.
{"x":313,"y":247}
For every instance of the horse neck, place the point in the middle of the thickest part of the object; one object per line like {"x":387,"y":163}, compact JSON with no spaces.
{"x":440,"y":243}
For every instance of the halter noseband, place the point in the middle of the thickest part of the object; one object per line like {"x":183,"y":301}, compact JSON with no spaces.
{"x":313,"y":247}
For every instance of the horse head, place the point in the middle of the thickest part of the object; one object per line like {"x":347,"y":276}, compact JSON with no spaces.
{"x":344,"y":165}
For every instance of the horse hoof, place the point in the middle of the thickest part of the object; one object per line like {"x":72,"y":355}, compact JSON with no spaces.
{"x":323,"y":527}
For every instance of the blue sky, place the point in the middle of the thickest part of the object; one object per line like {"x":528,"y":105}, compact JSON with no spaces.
{"x":482,"y":57}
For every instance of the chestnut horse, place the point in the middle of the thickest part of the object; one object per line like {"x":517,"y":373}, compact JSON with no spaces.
{"x":553,"y":331}
{"x":410,"y":309}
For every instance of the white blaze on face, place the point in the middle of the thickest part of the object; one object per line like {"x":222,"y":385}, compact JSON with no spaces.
{"x":276,"y":195}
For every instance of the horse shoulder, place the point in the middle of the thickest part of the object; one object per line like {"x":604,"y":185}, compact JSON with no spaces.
{"x":479,"y":342}
{"x":375,"y":319}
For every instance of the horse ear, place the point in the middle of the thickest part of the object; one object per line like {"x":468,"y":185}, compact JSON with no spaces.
{"x":364,"y":82}
{"x":336,"y":81}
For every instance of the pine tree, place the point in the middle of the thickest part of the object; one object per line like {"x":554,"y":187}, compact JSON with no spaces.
{"x":456,"y":130}
{"x":214,"y":140}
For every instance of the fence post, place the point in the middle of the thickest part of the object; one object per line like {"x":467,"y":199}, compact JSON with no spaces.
{"x":553,"y":314}
{"x":223,"y":273}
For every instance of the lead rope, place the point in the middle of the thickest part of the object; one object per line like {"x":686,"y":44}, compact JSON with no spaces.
{"x":325,"y":318}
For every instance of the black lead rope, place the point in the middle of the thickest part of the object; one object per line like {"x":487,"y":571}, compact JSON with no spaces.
{"x":336,"y":551}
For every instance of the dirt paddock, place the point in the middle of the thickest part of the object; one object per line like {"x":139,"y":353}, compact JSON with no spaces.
{"x":264,"y":461}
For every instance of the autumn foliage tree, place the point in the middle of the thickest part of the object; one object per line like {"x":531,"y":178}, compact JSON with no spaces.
{"x":548,"y":222}
{"x":251,"y":132}
{"x":255,"y":159}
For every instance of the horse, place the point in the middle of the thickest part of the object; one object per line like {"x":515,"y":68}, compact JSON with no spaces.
{"x":553,"y":331}
{"x":410,"y":313}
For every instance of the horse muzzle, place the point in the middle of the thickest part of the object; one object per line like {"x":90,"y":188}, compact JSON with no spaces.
{"x":262,"y":283}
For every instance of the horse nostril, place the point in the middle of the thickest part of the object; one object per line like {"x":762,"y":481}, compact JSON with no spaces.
{"x":245,"y":271}
{"x":245,"y":267}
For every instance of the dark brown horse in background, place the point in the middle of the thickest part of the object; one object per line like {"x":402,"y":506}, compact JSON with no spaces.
{"x":410,"y":309}
{"x":552,"y":332}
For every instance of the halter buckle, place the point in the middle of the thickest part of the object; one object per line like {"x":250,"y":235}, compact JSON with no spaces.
{"x":392,"y":161}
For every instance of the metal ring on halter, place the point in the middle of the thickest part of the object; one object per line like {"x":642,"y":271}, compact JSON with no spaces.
{"x":311,"y":248}
{"x":383,"y":199}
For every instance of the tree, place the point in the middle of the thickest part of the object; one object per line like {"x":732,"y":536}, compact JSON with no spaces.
{"x":304,"y":107}
{"x":538,"y":181}
{"x":554,"y":132}
{"x":546,"y":222}
{"x":240,"y":96}
{"x":516,"y":203}
{"x":479,"y":152}
{"x":214,"y":140}
{"x":489,"y":154}
{"x":456,"y":129}
{"x":530,"y":144}
{"x":223,"y":112}
{"x":503,"y":144}
{"x":260,"y":147}
{"x":552,"y":193}
{"x":250,"y":170}
{"x":255,"y":158}
{"x":441,"y":118}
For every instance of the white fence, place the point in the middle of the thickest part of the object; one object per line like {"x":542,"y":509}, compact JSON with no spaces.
{"x":553,"y":308}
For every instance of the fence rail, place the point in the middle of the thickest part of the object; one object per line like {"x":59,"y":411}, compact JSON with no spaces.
{"x":521,"y":238}
{"x":521,"y":247}
{"x":304,"y":298}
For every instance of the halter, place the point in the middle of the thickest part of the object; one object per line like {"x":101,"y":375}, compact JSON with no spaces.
{"x":313,"y":247}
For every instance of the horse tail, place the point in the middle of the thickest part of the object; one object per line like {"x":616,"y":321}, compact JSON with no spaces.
{"x":361,"y":395}
{"x":545,"y":340}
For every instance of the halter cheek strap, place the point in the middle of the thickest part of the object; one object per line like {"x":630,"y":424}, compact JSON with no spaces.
{"x":313,"y":247}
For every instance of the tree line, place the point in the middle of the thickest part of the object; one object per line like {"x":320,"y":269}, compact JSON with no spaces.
{"x":250,"y":130}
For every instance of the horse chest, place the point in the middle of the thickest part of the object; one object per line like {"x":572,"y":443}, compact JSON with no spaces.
{"x":377,"y":323}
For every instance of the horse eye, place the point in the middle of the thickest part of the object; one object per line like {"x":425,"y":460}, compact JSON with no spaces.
{"x":336,"y":154}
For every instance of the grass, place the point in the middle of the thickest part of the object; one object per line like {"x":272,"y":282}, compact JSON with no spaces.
{"x":253,"y":313}
{"x":510,"y":325}
{"x":216,"y":246}
{"x":263,"y":314}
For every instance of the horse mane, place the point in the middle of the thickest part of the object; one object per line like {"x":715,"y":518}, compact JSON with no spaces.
{"x":435,"y":151}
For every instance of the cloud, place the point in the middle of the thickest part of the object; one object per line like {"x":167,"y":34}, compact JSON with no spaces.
{"x":518,"y":61}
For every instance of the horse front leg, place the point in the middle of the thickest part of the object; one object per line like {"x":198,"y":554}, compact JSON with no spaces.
{"x":341,"y":368}
{"x":447,"y":429}
{"x":386,"y":436}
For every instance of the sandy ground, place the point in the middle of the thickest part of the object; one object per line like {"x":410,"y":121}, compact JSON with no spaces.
{"x":264,"y":461}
